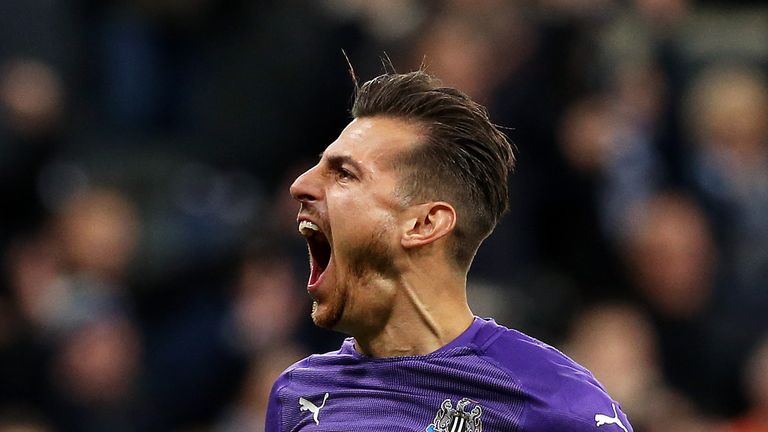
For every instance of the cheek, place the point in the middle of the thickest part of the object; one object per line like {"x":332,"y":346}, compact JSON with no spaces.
{"x":356,"y":220}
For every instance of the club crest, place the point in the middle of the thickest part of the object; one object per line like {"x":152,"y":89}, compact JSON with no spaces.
{"x":459,"y":419}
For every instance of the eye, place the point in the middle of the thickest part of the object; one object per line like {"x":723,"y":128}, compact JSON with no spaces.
{"x":344,"y":174}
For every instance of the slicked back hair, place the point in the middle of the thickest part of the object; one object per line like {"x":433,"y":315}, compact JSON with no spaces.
{"x":463,"y":158}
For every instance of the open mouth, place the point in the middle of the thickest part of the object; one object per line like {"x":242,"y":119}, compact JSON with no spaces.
{"x":319,"y":250}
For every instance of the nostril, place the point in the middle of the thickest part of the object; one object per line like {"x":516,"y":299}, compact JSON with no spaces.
{"x":303,"y":188}
{"x":305,"y":197}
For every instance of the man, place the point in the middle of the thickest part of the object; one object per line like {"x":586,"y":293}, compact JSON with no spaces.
{"x":393,"y":214}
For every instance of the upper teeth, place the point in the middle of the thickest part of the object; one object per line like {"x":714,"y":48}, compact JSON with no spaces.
{"x":307,"y":228}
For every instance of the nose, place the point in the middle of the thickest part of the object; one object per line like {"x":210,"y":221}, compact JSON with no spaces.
{"x":305,"y":188}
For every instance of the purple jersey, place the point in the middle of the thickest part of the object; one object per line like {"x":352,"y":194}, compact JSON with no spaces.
{"x":490,"y":379}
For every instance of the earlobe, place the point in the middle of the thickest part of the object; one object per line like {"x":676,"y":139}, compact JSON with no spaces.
{"x":430,"y":222}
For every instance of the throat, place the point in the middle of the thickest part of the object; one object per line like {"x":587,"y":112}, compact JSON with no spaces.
{"x":413,"y":314}
{"x":415,"y":334}
{"x":401,"y":344}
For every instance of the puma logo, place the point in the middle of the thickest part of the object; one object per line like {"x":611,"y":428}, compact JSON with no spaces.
{"x":602,"y":419}
{"x":314,"y":409}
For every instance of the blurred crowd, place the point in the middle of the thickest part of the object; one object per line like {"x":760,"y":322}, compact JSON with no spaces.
{"x":151,"y":278}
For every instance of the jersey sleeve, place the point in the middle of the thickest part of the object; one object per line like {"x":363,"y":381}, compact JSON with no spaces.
{"x":274,"y":417}
{"x":572,"y":399}
{"x":561,"y":395}
{"x":274,"y":408}
{"x":597,"y":413}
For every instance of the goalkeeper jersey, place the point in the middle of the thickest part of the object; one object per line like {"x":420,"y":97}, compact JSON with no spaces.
{"x":489,"y":379}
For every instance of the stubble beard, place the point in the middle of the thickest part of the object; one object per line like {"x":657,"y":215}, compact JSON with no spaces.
{"x":373,"y":258}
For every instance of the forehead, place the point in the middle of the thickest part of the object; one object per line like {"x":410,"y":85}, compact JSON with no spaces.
{"x":373,"y":142}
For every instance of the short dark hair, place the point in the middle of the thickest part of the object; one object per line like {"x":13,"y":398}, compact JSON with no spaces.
{"x":464,"y":158}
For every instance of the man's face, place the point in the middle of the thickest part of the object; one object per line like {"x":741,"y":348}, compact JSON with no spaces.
{"x":350,"y":214}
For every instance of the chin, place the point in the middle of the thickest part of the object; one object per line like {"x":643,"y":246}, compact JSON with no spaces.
{"x":325,"y":316}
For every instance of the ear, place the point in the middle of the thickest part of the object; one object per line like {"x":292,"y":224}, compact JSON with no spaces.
{"x":427,"y":223}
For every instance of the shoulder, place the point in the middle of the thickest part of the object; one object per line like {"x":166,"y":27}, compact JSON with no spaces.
{"x":286,"y":383}
{"x":562,"y":394}
{"x":284,"y":378}
{"x":274,"y":405}
{"x":525,"y":356}
{"x":314,"y":362}
{"x":531,"y":360}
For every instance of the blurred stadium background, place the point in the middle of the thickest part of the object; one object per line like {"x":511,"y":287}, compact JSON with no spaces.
{"x":151,"y":276}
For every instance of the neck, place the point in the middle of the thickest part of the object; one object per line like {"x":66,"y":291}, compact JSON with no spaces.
{"x":427,"y":312}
